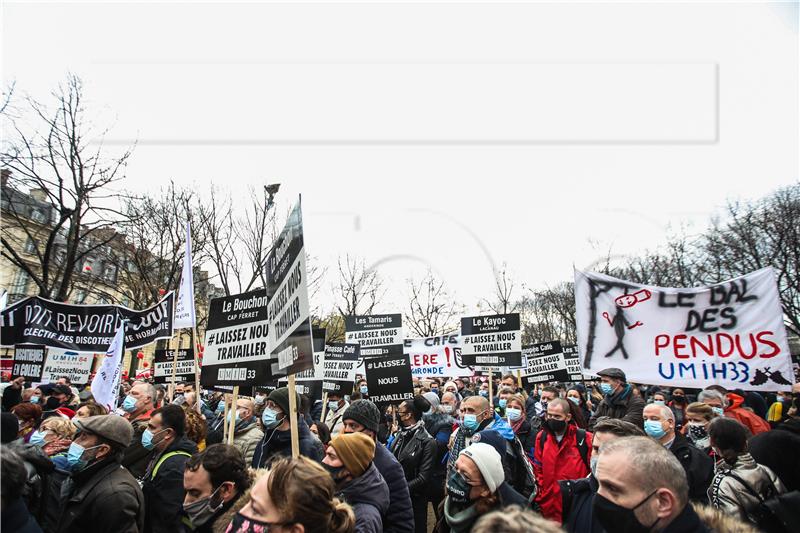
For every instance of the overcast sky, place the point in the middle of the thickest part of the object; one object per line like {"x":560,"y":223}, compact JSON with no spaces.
{"x":451,"y":136}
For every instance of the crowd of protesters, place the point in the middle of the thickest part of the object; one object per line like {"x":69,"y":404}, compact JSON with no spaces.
{"x":461,"y":455}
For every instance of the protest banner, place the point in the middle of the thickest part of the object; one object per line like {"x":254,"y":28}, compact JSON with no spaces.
{"x":438,"y":356}
{"x":84,"y":328}
{"x":162,"y":365}
{"x":730,"y":334}
{"x":184,"y":305}
{"x":76,"y":366}
{"x":287,"y":288}
{"x":545,"y":363}
{"x":573,"y":360}
{"x":389,"y":379}
{"x":236,"y":343}
{"x":29,"y":361}
{"x":339,"y":370}
{"x":491,"y":341}
{"x":378,"y":335}
{"x":105,"y":385}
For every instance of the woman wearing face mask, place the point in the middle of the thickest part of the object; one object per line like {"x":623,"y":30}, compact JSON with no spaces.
{"x":475,"y":488}
{"x":294,"y":496}
{"x":29,"y":416}
{"x":518,"y":420}
{"x":54,"y":436}
{"x":577,"y":397}
{"x":416,"y":451}
{"x":678,"y":403}
{"x":698,"y":417}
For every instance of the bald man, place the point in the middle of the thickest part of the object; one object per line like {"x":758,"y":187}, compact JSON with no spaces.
{"x":246,"y":434}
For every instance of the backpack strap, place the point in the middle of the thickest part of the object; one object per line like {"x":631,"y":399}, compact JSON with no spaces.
{"x":164,"y":458}
{"x":583,"y":447}
{"x":749,"y":488}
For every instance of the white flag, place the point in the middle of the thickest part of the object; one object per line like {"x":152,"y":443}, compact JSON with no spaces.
{"x":184,"y":307}
{"x":3,"y":300}
{"x":106,"y":381}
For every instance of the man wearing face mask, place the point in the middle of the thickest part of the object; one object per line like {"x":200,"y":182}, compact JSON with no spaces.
{"x":336,"y":408}
{"x":246,"y":433}
{"x":138,"y":406}
{"x":214,"y":482}
{"x":99,"y":495}
{"x":561,"y":451}
{"x":642,"y":487}
{"x":730,"y":405}
{"x":277,"y":439}
{"x":619,"y":401}
{"x":659,"y":424}
{"x":363,"y":389}
{"x":163,"y":479}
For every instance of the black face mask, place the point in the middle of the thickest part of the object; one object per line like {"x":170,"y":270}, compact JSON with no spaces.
{"x":334,"y":471}
{"x":242,"y":524}
{"x":678,"y":399}
{"x":556,"y":426}
{"x":614,"y":517}
{"x":458,"y":488}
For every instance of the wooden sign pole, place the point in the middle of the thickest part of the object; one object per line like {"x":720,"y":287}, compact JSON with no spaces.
{"x":232,"y":427}
{"x":293,"y":417}
{"x":324,"y":406}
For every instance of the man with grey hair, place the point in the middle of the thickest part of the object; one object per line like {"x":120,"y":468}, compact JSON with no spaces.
{"x":643,"y":487}
{"x":715,"y":400}
{"x":730,"y":405}
{"x":659,"y":423}
{"x":138,"y":406}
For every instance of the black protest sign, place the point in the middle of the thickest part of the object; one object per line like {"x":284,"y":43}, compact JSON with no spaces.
{"x":545,"y":363}
{"x":162,"y":365}
{"x":29,"y":361}
{"x":309,"y":382}
{"x":491,"y":340}
{"x":389,"y":379}
{"x":573,"y":361}
{"x":83,"y":328}
{"x":236,"y":344}
{"x":378,"y":335}
{"x":339,"y":371}
{"x":287,"y":288}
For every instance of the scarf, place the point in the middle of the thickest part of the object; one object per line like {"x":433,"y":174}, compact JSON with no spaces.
{"x":404,"y":434}
{"x":459,"y":441}
{"x":517,"y":423}
{"x":460,"y":521}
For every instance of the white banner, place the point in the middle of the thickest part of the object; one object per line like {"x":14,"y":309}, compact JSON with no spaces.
{"x":184,"y":306}
{"x":76,"y":366}
{"x":731,"y":334}
{"x":106,"y":381}
{"x":433,"y":357}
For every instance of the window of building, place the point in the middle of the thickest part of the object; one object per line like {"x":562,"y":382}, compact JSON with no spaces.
{"x":30,"y":246}
{"x":110,"y":273}
{"x":20,"y":285}
{"x":38,"y":216}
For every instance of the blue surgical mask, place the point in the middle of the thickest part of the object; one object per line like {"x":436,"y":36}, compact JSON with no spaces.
{"x":74,"y":456}
{"x":659,"y":402}
{"x":147,"y":438}
{"x":363,"y":389}
{"x":573,"y":399}
{"x":719,"y":411}
{"x":484,"y":393}
{"x":606,"y":388}
{"x":270,"y":418}
{"x":34,"y":399}
{"x":502,"y":402}
{"x":471,"y":422}
{"x":333,"y":405}
{"x":129,"y":405}
{"x":220,"y":407}
{"x":37,"y":439}
{"x":229,"y":416}
{"x":654,"y":429}
{"x":513,"y":414}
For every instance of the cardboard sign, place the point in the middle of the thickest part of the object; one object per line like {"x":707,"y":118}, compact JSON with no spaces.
{"x":378,"y":335}
{"x":436,"y":357}
{"x":162,"y":365}
{"x":29,"y":361}
{"x":491,"y":340}
{"x":389,"y":379}
{"x":339,"y":372}
{"x":76,"y":366}
{"x":545,"y":363}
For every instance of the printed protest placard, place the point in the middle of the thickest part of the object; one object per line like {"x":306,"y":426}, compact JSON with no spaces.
{"x":730,"y":334}
{"x":287,"y":288}
{"x":491,"y":340}
{"x":389,"y":379}
{"x":339,"y":373}
{"x":76,"y":366}
{"x":29,"y":361}
{"x":309,"y":382}
{"x":236,"y":342}
{"x":162,"y":365}
{"x":545,"y":363}
{"x":573,"y":360}
{"x":377,"y":335}
{"x":436,"y":357}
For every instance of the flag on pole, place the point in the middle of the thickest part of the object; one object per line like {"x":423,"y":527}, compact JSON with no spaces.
{"x":184,"y":307}
{"x":106,"y":382}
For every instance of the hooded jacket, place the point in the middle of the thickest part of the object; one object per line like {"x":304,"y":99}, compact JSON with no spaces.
{"x":246,"y":438}
{"x":623,"y":405}
{"x":163,"y":487}
{"x":751,"y":421}
{"x":368,"y":495}
{"x":275,"y":443}
{"x":698,"y":465}
{"x":732,"y":497}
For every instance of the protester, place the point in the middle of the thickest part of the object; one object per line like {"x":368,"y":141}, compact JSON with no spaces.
{"x":439,"y":424}
{"x":276,"y":440}
{"x":731,"y":406}
{"x":475,"y":488}
{"x":12,"y":393}
{"x":536,"y":409}
{"x":362,"y":416}
{"x":518,"y":420}
{"x":321,"y":431}
{"x":449,"y":404}
{"x":642,"y":487}
{"x":14,"y":515}
{"x":476,"y":416}
{"x":618,"y":399}
{"x":349,"y":461}
{"x":87,"y":409}
{"x":778,"y":449}
{"x":514,"y":519}
{"x":678,"y":405}
{"x":215,"y":482}
{"x":578,"y":397}
{"x":29,"y":415}
{"x":739,"y":484}
{"x":55,"y":436}
{"x":138,"y":406}
{"x":659,"y":423}
{"x":562,"y":451}
{"x":99,"y":496}
{"x":698,"y":416}
{"x":415,"y":450}
{"x":196,"y":427}
{"x":578,"y":495}
{"x":246,"y":433}
{"x":163,"y":479}
{"x":336,"y":408}
{"x":510,"y":381}
{"x":63,"y":396}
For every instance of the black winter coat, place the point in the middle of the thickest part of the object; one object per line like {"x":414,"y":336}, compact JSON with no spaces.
{"x":416,"y":452}
{"x":399,"y":518}
{"x":163,"y":489}
{"x":577,"y":498}
{"x":15,"y":517}
{"x":698,"y":465}
{"x":275,"y":444}
{"x":778,"y":450}
{"x":102,"y":498}
{"x":623,"y":405}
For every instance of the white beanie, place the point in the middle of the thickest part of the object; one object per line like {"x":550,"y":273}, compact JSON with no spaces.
{"x":488,"y":462}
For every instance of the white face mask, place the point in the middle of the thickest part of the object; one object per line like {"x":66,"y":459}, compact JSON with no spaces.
{"x":446,"y":408}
